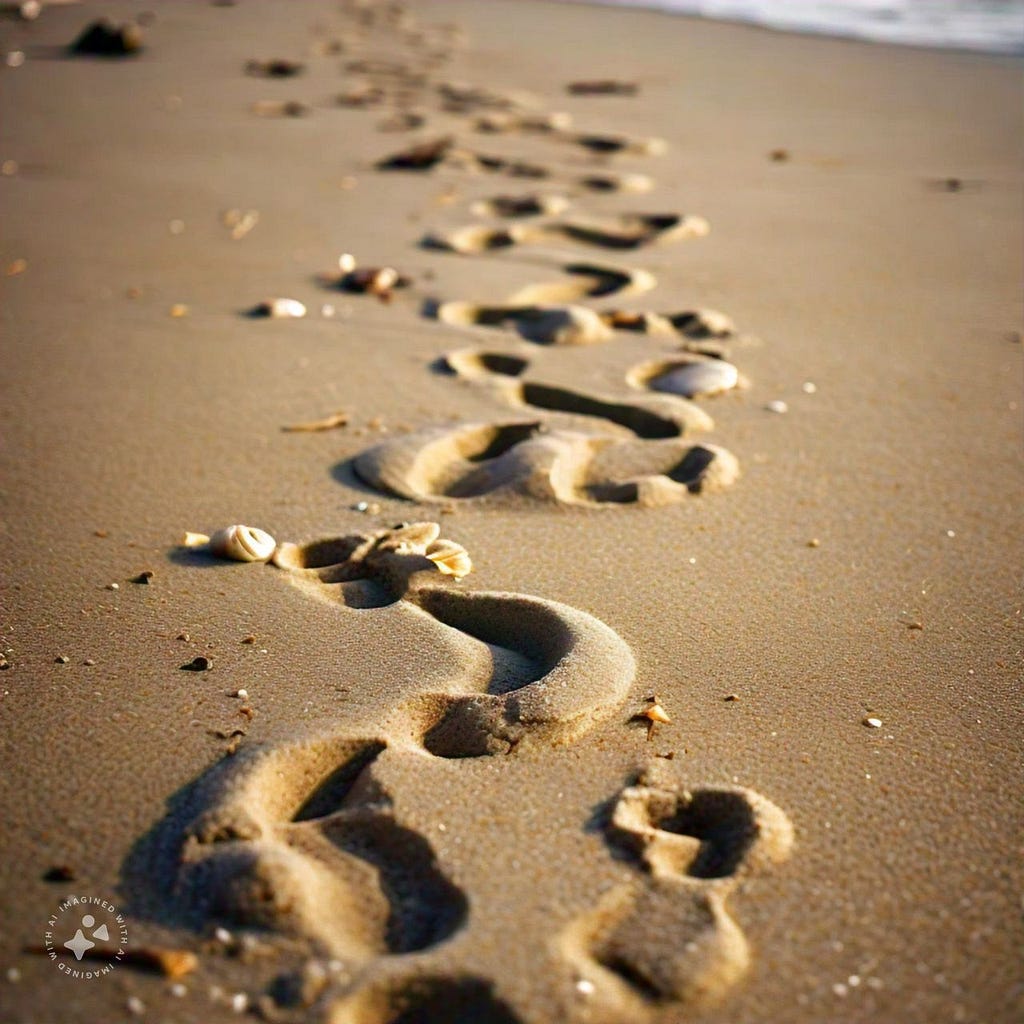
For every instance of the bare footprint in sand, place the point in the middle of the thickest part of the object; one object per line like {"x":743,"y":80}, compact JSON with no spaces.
{"x":626,"y":231}
{"x":668,"y":939}
{"x":302,"y":837}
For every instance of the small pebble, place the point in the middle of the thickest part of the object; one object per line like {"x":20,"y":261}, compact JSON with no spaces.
{"x":198,"y":664}
{"x":89,"y":661}
{"x":178,"y":990}
{"x":731,"y":696}
{"x":585,"y":987}
{"x":840,"y":989}
{"x":15,"y":59}
{"x":183,"y":636}
{"x":62,"y":659}
{"x":9,"y":168}
{"x":242,"y":694}
{"x":873,"y":723}
{"x":239,"y":1002}
{"x":136,"y":1006}
{"x":777,"y":406}
{"x":176,"y":227}
{"x":179,"y":309}
{"x":697,"y":378}
{"x":223,"y":936}
{"x":779,"y":156}
{"x":113,"y":586}
{"x":250,"y":639}
{"x":814,"y":543}
{"x":809,"y":388}
{"x":16,"y":267}
{"x":13,"y":975}
{"x":951,"y":533}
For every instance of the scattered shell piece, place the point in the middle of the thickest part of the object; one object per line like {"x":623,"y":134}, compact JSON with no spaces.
{"x":280,"y":108}
{"x":336,"y":419}
{"x":9,"y":168}
{"x":240,"y":223}
{"x":873,"y":723}
{"x":89,"y":661}
{"x":179,"y":309}
{"x":421,"y":157}
{"x":276,"y":68}
{"x":198,"y":664}
{"x":15,"y":58}
{"x":814,"y":543}
{"x":194,"y":540}
{"x":279,"y":309}
{"x":62,"y":659}
{"x":136,"y":1006}
{"x":450,"y":558}
{"x":16,"y":267}
{"x":241,"y":694}
{"x":656,"y":713}
{"x":249,"y":639}
{"x":242,"y":543}
{"x":731,"y":697}
{"x":13,"y":975}
{"x":113,"y":586}
{"x":29,"y":10}
{"x":585,"y":987}
{"x":239,"y":1002}
{"x":223,"y":936}
{"x":178,"y":990}
{"x":777,"y":406}
{"x":809,"y":387}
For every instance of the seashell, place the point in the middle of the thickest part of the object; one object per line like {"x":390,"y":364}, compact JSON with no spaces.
{"x":696,"y":378}
{"x":194,"y":540}
{"x":656,"y":713}
{"x":243,"y":544}
{"x":280,"y":308}
{"x":450,"y":558}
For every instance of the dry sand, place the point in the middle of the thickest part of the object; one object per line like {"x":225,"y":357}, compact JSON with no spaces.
{"x":435,"y":802}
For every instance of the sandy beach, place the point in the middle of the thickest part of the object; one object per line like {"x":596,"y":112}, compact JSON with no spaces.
{"x":637,"y":634}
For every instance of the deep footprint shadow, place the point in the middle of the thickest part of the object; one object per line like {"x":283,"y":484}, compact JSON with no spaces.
{"x":427,"y":1000}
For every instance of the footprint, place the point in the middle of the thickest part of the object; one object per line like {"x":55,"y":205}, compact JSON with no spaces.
{"x":668,"y":938}
{"x":524,"y":460}
{"x":302,"y":837}
{"x":531,"y":204}
{"x":544,"y":325}
{"x":423,"y":998}
{"x":691,"y":323}
{"x":652,"y":418}
{"x":626,"y":231}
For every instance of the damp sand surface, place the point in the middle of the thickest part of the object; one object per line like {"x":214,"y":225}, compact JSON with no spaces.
{"x":466,"y":772}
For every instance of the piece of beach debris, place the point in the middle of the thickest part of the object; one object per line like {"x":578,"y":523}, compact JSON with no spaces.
{"x":240,"y":222}
{"x":421,"y":157}
{"x":654,"y":715}
{"x":16,"y":267}
{"x":276,"y":68}
{"x":379,"y":281}
{"x":779,"y":156}
{"x":225,"y":734}
{"x":178,"y":310}
{"x":89,"y":661}
{"x":200,"y":663}
{"x":603,"y":87}
{"x":113,"y":586}
{"x":730,"y":697}
{"x":193,"y":540}
{"x":280,"y":108}
{"x":242,"y":544}
{"x":241,"y":694}
{"x":60,"y":873}
{"x":690,"y":378}
{"x":279,"y":309}
{"x":144,"y":577}
{"x":628,"y":183}
{"x":359,"y":96}
{"x":171,"y":963}
{"x":529,"y":205}
{"x":450,"y":558}
{"x":814,"y":542}
{"x":777,"y":406}
{"x":105,"y":38}
{"x":873,"y":723}
{"x":62,"y":659}
{"x":336,"y":419}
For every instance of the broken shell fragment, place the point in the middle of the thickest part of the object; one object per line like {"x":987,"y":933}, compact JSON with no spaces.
{"x":279,"y":309}
{"x":656,"y":713}
{"x":243,"y":544}
{"x":450,"y":558}
{"x":194,"y":540}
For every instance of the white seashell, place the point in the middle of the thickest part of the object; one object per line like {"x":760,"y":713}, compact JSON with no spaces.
{"x":281,"y":308}
{"x":194,"y":540}
{"x":243,"y":544}
{"x":700,"y":377}
{"x":450,"y":558}
{"x":346,"y":263}
{"x":777,"y":406}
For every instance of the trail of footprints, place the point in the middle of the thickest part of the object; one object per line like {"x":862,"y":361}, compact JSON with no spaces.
{"x":307,"y":838}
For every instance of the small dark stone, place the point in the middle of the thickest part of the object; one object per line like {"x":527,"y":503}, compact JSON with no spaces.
{"x":144,"y":577}
{"x":60,"y":873}
{"x":198,"y":664}
{"x":103,"y":38}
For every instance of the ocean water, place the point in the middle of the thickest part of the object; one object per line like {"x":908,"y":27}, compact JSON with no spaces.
{"x":990,"y":26}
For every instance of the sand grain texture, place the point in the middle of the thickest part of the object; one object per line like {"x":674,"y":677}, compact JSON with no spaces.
{"x":412,"y":796}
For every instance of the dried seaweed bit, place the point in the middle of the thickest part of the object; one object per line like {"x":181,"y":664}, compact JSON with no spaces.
{"x":60,"y":873}
{"x":276,"y":68}
{"x":198,"y":664}
{"x":421,"y":157}
{"x":603,"y":87}
{"x":337,"y":419}
{"x":105,"y":38}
